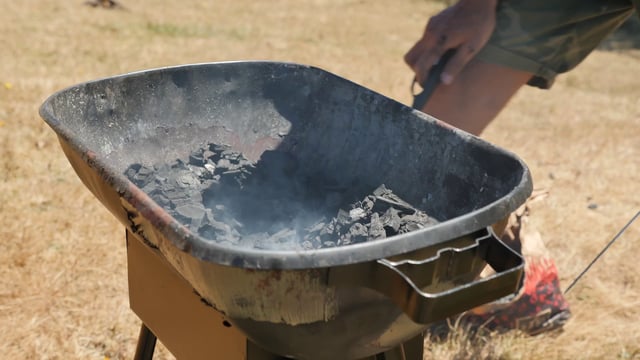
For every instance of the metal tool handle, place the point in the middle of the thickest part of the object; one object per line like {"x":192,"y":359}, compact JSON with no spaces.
{"x":411,"y":284}
{"x":432,"y":81}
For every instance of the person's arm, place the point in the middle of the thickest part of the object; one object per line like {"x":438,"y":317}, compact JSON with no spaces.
{"x":465,"y":26}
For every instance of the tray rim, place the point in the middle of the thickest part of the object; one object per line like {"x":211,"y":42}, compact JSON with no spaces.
{"x":250,"y":258}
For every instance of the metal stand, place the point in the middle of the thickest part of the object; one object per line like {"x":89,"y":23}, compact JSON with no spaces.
{"x":411,"y":350}
{"x":188,"y":328}
{"x":146,"y":344}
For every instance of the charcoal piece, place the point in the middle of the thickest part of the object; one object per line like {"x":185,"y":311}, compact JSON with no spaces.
{"x":191,"y":210}
{"x":284,"y":235}
{"x":179,"y":164}
{"x":162,"y":200}
{"x":199,"y":173}
{"x":133,"y":170}
{"x":225,"y":198}
{"x":224,"y":164}
{"x":233,"y":156}
{"x":214,"y":215}
{"x":211,"y":168}
{"x":376,"y":227}
{"x":391,"y":221}
{"x":151,"y":187}
{"x":207,"y":183}
{"x":175,"y":203}
{"x":144,"y":171}
{"x":358,"y":233}
{"x":357,"y":214}
{"x":330,"y":229}
{"x":385,"y":198}
{"x":368,"y":203}
{"x":218,"y":148}
{"x":255,"y":240}
{"x":343,"y":217}
{"x":191,"y":213}
{"x":219,"y":231}
{"x":420,"y":218}
{"x":173,"y":194}
{"x":317,"y":227}
{"x":208,"y":155}
{"x":230,"y":180}
{"x":142,"y":176}
{"x":196,"y":158}
{"x":414,"y":222}
{"x":187,"y":179}
{"x":233,"y":171}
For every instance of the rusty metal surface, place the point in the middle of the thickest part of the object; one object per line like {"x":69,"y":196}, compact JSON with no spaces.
{"x":336,"y":127}
{"x":333,"y":126}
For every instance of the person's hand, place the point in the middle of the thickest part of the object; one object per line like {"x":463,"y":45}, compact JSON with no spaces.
{"x":465,"y":26}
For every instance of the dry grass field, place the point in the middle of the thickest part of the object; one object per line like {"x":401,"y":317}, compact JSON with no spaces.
{"x":63,"y":287}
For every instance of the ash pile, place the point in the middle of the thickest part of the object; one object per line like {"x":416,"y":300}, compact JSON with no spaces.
{"x":271,"y":204}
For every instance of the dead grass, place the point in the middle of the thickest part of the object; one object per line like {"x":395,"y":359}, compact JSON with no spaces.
{"x":63,"y":291}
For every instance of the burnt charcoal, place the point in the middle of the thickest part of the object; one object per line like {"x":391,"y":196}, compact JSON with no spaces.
{"x":142,"y":176}
{"x":343,"y":217}
{"x":219,"y":231}
{"x":132,"y":171}
{"x":270,"y":204}
{"x":176,"y":203}
{"x":191,"y":210}
{"x":391,"y":221}
{"x":209,"y":155}
{"x":308,"y":245}
{"x":358,"y":233}
{"x":415,"y":222}
{"x":210,"y":168}
{"x":162,"y":200}
{"x":377,"y":216}
{"x":284,"y":235}
{"x":255,"y":240}
{"x":385,"y":199}
{"x":179,"y":164}
{"x":376,"y":227}
{"x":187,"y":179}
{"x":357,"y":213}
{"x":150,"y":187}
{"x":225,"y":165}
{"x":173,"y":193}
{"x":197,"y":158}
{"x":317,"y":227}
{"x":218,"y":148}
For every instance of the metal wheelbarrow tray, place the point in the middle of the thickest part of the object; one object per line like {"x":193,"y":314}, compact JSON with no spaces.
{"x":354,"y":300}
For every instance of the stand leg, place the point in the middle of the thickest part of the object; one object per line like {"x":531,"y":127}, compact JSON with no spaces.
{"x":411,"y":350}
{"x":414,"y":348}
{"x":146,"y":344}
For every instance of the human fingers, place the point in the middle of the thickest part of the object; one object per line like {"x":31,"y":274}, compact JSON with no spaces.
{"x":413,"y":55}
{"x":464,"y":54}
{"x":436,"y":44}
{"x":426,"y":51}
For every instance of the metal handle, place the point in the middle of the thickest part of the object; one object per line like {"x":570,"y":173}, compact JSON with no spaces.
{"x":432,"y":81}
{"x":413,"y":284}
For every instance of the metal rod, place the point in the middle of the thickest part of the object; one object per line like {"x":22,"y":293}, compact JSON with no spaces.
{"x":146,"y":344}
{"x":432,"y":81}
{"x":603,"y":251}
